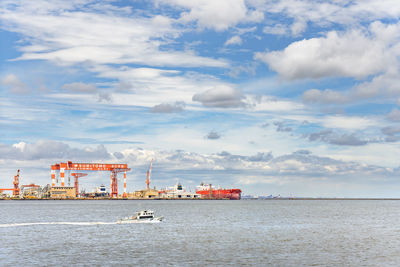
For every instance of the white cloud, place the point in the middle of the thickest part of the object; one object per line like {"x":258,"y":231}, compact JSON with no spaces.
{"x":178,"y":106}
{"x":278,"y":29}
{"x":222,"y":96}
{"x":386,"y":84}
{"x":218,"y":15}
{"x":80,"y":87}
{"x":47,"y":149}
{"x":298,"y":27}
{"x":66,"y":37}
{"x":391,"y":130}
{"x":213,"y":135}
{"x":328,"y":13}
{"x":154,"y":86}
{"x":14,"y":85}
{"x":244,"y":30}
{"x":267,"y":103}
{"x":254,"y":16}
{"x":348,"y":122}
{"x":301,"y":161}
{"x":375,"y":10}
{"x":235,"y":40}
{"x":104,"y":97}
{"x":281,"y":127}
{"x":394,"y":115}
{"x":324,"y":97}
{"x":351,"y":55}
{"x":330,"y":137}
{"x":378,"y":154}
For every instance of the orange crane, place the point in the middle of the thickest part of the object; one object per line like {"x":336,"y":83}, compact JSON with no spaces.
{"x":77,"y":175}
{"x":113,"y":168}
{"x":16,"y":186}
{"x":149,"y":175}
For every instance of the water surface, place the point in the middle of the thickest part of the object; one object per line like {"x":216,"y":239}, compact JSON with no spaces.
{"x":201,"y":232}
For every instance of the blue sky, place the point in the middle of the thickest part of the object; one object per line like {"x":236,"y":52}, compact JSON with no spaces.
{"x":275,"y":97}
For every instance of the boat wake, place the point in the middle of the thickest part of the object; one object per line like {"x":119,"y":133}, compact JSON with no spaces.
{"x":55,"y":223}
{"x":5,"y":225}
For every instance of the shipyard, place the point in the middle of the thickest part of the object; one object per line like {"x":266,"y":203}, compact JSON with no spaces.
{"x":60,"y":189}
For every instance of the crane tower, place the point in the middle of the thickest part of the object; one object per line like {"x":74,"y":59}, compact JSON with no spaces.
{"x":77,"y":175}
{"x":16,"y":186}
{"x":149,"y":175}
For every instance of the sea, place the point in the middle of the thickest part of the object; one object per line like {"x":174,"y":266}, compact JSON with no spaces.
{"x":201,"y":233}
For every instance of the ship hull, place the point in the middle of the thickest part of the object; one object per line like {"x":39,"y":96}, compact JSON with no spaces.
{"x":234,"y":194}
{"x":125,"y":221}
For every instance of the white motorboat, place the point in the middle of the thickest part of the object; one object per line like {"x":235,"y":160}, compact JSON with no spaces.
{"x":143,"y":216}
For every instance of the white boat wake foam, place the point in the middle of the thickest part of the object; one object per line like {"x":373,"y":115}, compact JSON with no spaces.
{"x":60,"y":223}
{"x":55,"y":223}
{"x":74,"y":223}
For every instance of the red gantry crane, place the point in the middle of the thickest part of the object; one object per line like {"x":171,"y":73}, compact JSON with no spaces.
{"x":16,"y":186}
{"x":77,"y":175}
{"x":113,"y":168}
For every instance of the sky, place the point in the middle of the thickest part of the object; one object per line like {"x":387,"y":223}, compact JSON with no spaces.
{"x":291,"y":98}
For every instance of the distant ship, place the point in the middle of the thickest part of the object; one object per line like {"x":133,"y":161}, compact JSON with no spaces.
{"x":178,"y":191}
{"x":101,"y":191}
{"x":208,"y":191}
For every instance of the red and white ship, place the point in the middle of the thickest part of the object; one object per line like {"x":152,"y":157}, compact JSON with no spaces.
{"x":208,"y":191}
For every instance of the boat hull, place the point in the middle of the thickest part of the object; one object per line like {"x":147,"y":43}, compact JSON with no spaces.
{"x":234,"y":194}
{"x":127,"y":221}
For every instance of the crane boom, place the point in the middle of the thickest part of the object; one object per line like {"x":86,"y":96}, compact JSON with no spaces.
{"x":149,"y":175}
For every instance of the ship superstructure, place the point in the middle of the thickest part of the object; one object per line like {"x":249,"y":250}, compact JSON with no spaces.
{"x":177,"y":191}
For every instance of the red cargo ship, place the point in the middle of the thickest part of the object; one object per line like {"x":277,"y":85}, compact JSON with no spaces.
{"x":208,"y":191}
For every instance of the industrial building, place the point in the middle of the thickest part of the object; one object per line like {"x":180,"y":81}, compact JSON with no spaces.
{"x":31,"y":191}
{"x":144,"y":194}
{"x":62,"y":192}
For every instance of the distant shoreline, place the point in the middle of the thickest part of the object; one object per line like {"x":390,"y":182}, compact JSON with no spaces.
{"x":321,"y":198}
{"x":245,"y":199}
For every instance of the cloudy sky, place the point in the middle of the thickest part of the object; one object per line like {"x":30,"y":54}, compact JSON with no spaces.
{"x":289,"y":97}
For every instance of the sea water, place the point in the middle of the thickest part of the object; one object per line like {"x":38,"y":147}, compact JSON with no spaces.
{"x":201,"y":233}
